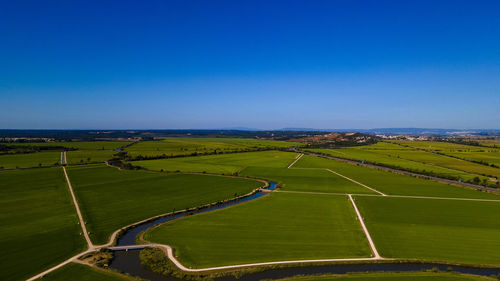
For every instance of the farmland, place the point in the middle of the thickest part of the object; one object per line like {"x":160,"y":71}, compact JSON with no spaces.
{"x":80,"y":272}
{"x":300,"y":227}
{"x":29,"y":160}
{"x":39,"y":223}
{"x":411,"y":276}
{"x":220,"y":164}
{"x":439,"y":230}
{"x":188,"y":146}
{"x":106,"y":207}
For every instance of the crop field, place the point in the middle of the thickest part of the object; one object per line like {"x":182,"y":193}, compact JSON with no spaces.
{"x":29,"y":160}
{"x":220,"y":164}
{"x":281,"y":226}
{"x":391,"y":183}
{"x":188,"y":146}
{"x":111,"y":199}
{"x":416,"y":160}
{"x":39,"y":226}
{"x":88,"y":156}
{"x":80,"y":145}
{"x":80,"y":272}
{"x":439,"y":230}
{"x":310,"y":180}
{"x":404,"y":276}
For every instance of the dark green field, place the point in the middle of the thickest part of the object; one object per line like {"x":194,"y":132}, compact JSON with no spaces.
{"x":412,"y":276}
{"x":111,"y":199}
{"x":29,"y":160}
{"x":440,"y":230}
{"x":282,"y":226}
{"x":39,"y":226}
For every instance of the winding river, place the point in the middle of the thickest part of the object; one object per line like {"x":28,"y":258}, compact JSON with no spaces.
{"x":129,"y":262}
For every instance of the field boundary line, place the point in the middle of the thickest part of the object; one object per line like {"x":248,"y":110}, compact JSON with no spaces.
{"x":356,"y":182}
{"x":391,"y":196}
{"x":338,"y":174}
{"x":295,"y":161}
{"x":72,"y":259}
{"x":80,"y":217}
{"x":365,"y":230}
{"x":170,"y":255}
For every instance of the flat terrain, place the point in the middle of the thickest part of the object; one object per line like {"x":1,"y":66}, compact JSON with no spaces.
{"x":80,"y":272}
{"x":281,"y":226}
{"x":39,"y":226}
{"x":80,"y":145}
{"x":221,"y":164}
{"x":29,"y":160}
{"x":88,"y":156}
{"x":391,"y":183}
{"x":110,"y":198}
{"x":412,"y":276}
{"x":439,"y":230}
{"x":188,"y":146}
{"x":310,"y":180}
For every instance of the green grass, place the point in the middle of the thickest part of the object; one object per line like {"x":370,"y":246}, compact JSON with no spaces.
{"x":281,"y":226}
{"x":39,"y":226}
{"x":220,"y":164}
{"x":405,"y":276}
{"x":88,"y":156}
{"x":391,"y":183}
{"x":310,"y":180}
{"x":81,"y":145}
{"x":188,"y":146}
{"x":80,"y":272}
{"x":430,"y":229}
{"x":111,"y":199}
{"x":29,"y":160}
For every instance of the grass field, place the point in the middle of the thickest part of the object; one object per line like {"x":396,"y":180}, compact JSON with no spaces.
{"x":29,"y":160}
{"x":220,"y":164}
{"x":80,"y":272}
{"x":111,"y":199}
{"x":406,"y":276}
{"x":188,"y":146}
{"x":88,"y":156}
{"x":281,"y":226}
{"x":391,"y":183}
{"x":311,"y":180}
{"x":415,"y":160}
{"x":439,"y":230}
{"x":39,"y":223}
{"x":80,"y":145}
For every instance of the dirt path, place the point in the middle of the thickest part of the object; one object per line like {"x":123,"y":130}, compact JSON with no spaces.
{"x":365,"y":230}
{"x":80,"y":217}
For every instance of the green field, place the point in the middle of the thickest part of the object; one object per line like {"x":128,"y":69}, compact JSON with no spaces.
{"x":430,"y":229}
{"x":80,"y":272}
{"x":415,"y":160}
{"x":110,"y":198}
{"x":391,"y":183}
{"x":406,"y":276}
{"x":188,"y":146}
{"x":39,"y":223}
{"x":88,"y":156}
{"x":220,"y":164}
{"x":310,"y":180}
{"x":80,"y":145}
{"x":281,"y":226}
{"x":30,"y":160}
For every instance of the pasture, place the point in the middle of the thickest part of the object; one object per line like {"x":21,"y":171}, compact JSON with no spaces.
{"x":80,"y":145}
{"x":110,"y":198}
{"x":88,"y":156}
{"x":391,"y":183}
{"x":432,"y":229}
{"x":39,"y":223}
{"x":220,"y":164}
{"x":189,"y":146}
{"x":281,"y":226}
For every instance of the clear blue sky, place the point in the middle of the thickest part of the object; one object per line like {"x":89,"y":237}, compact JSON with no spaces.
{"x":259,"y":64}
